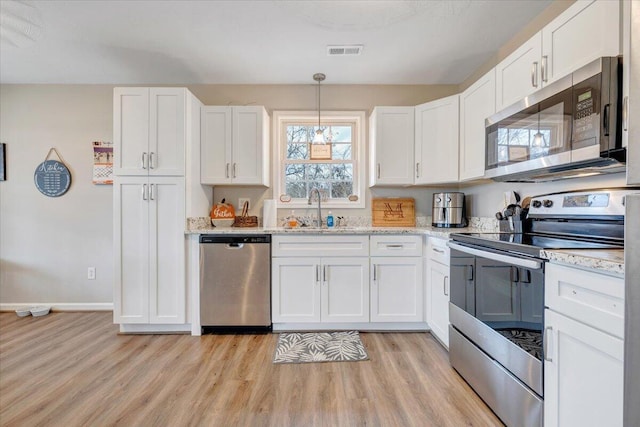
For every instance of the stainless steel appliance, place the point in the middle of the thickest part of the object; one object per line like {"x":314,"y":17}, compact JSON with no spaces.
{"x":448,"y":210}
{"x":235,"y":283}
{"x":497,"y":296}
{"x":570,"y":127}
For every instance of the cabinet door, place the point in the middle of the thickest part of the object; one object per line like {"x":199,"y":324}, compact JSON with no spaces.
{"x":131,"y":130}
{"x":131,"y":247}
{"x":397,"y":289}
{"x":476,"y":104}
{"x":497,"y":291}
{"x":438,"y":300}
{"x":519,"y":74}
{"x":295,"y":286}
{"x":392,"y":146}
{"x":345,"y":290}
{"x":167,"y":283}
{"x":167,"y":124}
{"x":248,"y":154}
{"x":215,"y":145}
{"x":584,"y":32}
{"x":583,"y":374}
{"x":436,"y":141}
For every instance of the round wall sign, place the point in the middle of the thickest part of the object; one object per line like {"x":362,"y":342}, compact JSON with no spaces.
{"x":52,"y":178}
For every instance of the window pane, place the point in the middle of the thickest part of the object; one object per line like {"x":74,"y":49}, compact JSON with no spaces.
{"x":296,"y":189}
{"x":342,"y":172}
{"x":294,"y":172}
{"x":341,"y":190}
{"x":318,"y":171}
{"x":341,"y":151}
{"x":298,"y":151}
{"x":296,"y":133}
{"x":341,"y":134}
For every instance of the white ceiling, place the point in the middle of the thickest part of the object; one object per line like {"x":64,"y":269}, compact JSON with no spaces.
{"x":253,"y":42}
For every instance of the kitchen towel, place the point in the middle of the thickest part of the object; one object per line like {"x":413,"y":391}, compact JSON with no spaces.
{"x":269,"y":214}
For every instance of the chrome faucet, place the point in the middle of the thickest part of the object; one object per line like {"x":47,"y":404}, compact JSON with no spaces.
{"x":317,"y":190}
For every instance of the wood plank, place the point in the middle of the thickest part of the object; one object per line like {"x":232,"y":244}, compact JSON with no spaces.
{"x":74,"y":369}
{"x":393,"y":212}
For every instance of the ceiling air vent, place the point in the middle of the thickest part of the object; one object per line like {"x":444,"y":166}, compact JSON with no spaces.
{"x":345,"y":50}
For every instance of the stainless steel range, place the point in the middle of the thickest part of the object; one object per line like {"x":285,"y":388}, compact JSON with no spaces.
{"x":496,"y":339}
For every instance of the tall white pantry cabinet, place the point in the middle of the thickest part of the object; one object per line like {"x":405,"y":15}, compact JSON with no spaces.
{"x":156,"y":186}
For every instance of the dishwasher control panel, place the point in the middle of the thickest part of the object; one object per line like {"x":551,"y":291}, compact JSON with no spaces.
{"x":235,"y":238}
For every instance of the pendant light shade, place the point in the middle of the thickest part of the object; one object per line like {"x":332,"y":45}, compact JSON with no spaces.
{"x":319,"y":136}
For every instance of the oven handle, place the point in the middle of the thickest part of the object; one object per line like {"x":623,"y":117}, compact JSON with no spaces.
{"x":520,"y":262}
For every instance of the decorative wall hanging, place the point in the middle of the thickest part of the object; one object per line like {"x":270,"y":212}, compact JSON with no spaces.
{"x":3,"y":165}
{"x":52,"y":177}
{"x":102,"y":162}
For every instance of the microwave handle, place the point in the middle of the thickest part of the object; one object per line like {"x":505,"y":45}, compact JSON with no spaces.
{"x":605,"y":119}
{"x":520,"y":262}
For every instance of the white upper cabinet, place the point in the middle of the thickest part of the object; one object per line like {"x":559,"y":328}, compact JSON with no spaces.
{"x":436,"y":141}
{"x":234,"y":145}
{"x":476,"y":104}
{"x":518,"y":75}
{"x":587,"y":30}
{"x":391,"y":143}
{"x":149,"y":131}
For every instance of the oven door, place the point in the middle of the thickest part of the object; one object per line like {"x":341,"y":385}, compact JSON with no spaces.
{"x":497,"y":302}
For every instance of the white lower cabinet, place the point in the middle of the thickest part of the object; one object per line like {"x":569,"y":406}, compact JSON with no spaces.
{"x":320,"y":289}
{"x":584,"y":348}
{"x":396,"y":289}
{"x":149,"y":247}
{"x":438,"y":273}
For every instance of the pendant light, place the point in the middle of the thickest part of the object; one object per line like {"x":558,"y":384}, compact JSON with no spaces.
{"x":319,"y":136}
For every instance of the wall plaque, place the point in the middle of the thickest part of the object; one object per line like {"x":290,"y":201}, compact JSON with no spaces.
{"x":52,"y":177}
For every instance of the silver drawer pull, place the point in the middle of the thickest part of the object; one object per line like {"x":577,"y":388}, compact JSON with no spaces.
{"x":395,"y":246}
{"x":545,"y":343}
{"x":440,"y":251}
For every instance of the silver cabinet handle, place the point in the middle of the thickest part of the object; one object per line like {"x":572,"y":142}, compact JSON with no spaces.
{"x":625,"y":113}
{"x":226,"y":174}
{"x":545,"y":346}
{"x":444,"y":286}
{"x":234,"y":170}
{"x":417,"y":170}
{"x":375,"y":272}
{"x":534,"y":74}
{"x":317,"y":273}
{"x":440,"y":251}
{"x":151,"y":162}
{"x":378,"y":167}
{"x":144,"y":191}
{"x":544,"y":68}
{"x":151,"y":192}
{"x":144,"y":160}
{"x":324,"y":273}
{"x":395,"y":246}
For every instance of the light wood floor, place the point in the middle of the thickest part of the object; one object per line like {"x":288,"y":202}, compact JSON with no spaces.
{"x":73,"y":369}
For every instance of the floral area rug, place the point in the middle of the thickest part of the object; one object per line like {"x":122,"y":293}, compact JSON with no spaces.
{"x":320,"y":347}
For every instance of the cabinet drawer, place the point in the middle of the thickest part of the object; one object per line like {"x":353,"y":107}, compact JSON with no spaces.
{"x":589,"y":297}
{"x":315,"y":245}
{"x":401,"y":245}
{"x":438,"y":250}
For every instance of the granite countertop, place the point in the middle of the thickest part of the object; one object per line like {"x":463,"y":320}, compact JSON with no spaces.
{"x":605,"y":260}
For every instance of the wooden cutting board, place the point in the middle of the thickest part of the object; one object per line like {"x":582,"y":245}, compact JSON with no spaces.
{"x":393,"y":212}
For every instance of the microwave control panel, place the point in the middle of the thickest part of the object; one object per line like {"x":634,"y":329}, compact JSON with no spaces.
{"x":586,"y":111}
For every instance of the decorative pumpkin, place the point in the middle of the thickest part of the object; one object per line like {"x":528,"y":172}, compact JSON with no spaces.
{"x":223,"y":210}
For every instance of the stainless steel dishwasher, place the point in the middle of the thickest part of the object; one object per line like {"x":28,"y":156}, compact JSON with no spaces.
{"x":235,"y":283}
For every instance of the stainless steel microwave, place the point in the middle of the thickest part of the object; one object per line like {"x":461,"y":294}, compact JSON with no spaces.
{"x":569,"y":128}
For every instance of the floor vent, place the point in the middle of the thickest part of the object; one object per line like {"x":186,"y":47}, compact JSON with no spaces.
{"x":345,"y":50}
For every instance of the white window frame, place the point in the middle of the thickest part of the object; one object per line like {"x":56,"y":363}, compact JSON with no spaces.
{"x":358,"y":152}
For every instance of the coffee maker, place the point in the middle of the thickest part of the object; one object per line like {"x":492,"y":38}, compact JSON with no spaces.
{"x":448,"y":210}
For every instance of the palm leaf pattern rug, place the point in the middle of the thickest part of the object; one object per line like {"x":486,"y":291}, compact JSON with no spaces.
{"x":319,"y":347}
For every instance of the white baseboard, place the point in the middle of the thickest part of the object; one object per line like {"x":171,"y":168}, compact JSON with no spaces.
{"x":364,"y":327}
{"x":143,"y":328}
{"x":55,"y":306}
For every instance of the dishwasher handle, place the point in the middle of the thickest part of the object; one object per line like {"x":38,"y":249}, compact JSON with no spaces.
{"x":234,"y":246}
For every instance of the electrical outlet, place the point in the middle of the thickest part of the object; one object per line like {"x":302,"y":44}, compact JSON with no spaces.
{"x":241,"y":201}
{"x":91,"y":273}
